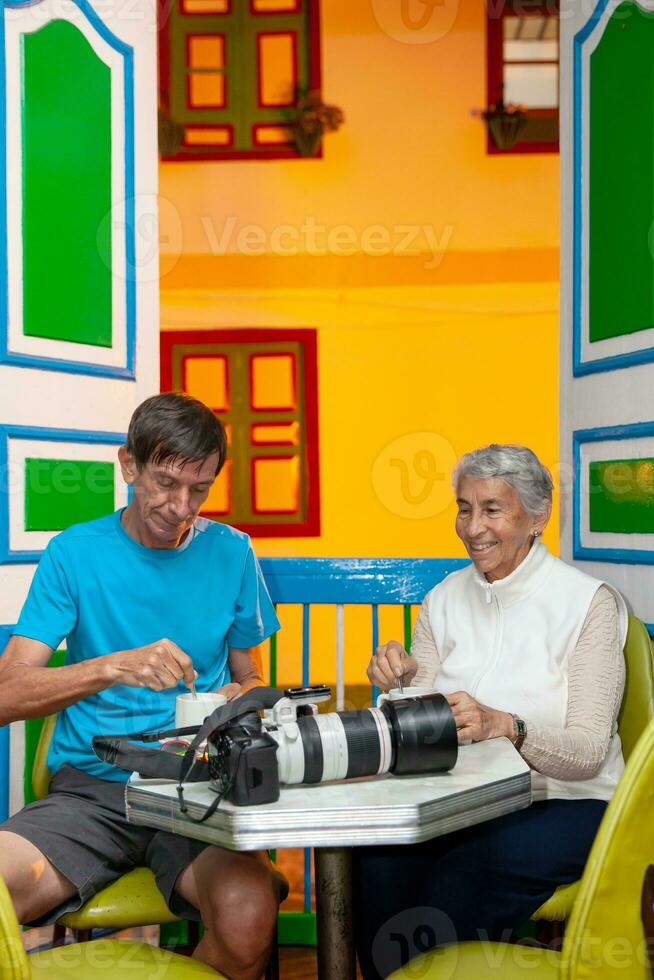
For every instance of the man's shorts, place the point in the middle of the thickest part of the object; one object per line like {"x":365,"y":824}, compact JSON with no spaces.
{"x":82,"y":829}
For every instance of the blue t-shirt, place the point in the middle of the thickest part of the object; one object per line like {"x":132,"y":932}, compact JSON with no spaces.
{"x":102,"y":591}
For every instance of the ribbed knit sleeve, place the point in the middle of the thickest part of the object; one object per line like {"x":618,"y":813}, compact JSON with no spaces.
{"x":423,"y":648}
{"x":596,"y":675}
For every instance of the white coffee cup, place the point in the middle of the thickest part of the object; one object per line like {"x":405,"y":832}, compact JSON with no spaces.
{"x":191,"y":710}
{"x":409,"y":692}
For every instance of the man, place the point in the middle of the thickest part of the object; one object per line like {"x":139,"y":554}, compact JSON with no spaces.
{"x":149,"y":600}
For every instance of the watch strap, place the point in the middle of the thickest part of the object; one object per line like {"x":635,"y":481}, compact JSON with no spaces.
{"x":520,"y":728}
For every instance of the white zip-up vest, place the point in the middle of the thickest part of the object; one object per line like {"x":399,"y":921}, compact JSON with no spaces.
{"x":507,"y":644}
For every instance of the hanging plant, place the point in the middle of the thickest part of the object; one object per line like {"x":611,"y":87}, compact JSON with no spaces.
{"x":505,"y":123}
{"x":311,"y":120}
{"x":171,"y":134}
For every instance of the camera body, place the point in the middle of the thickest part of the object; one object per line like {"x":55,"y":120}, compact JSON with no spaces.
{"x":252,"y":755}
{"x":243,"y":766}
{"x":243,"y":762}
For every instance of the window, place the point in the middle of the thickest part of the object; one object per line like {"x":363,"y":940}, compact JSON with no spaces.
{"x":523,"y":69}
{"x":230,"y":75}
{"x":262,"y":384}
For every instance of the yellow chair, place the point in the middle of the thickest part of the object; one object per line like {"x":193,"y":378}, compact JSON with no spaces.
{"x":604,"y":937}
{"x":131,"y":901}
{"x":636,"y":711}
{"x":87,"y":961}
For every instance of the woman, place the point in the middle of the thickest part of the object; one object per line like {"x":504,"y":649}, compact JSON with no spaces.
{"x":522,"y":646}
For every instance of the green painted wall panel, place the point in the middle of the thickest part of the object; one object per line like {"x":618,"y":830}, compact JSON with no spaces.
{"x":66,"y":118}
{"x":622,"y":496}
{"x":621,"y":297}
{"x":61,"y":492}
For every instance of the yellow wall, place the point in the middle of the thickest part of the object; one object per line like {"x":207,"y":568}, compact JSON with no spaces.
{"x":428,"y":267}
{"x":403,"y":372}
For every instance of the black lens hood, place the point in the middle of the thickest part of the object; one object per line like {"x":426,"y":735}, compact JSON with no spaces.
{"x":424,"y":734}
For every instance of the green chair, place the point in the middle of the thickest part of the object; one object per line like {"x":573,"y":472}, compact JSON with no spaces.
{"x":605,"y":937}
{"x":636,"y":711}
{"x":111,"y":958}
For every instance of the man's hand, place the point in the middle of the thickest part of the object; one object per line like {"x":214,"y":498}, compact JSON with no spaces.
{"x":230,"y":691}
{"x":389,"y":662}
{"x":476,"y":721}
{"x":157,"y":665}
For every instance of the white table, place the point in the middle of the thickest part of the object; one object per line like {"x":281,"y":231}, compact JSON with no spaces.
{"x":489,"y":780}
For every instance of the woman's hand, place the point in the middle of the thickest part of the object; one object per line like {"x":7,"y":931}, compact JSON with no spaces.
{"x":476,"y":721}
{"x":389,"y":662}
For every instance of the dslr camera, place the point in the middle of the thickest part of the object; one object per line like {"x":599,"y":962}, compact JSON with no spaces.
{"x":290,"y":743}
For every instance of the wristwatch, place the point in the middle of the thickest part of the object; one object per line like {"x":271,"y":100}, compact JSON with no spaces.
{"x":520,"y":728}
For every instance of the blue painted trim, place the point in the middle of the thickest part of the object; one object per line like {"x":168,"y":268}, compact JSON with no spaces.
{"x":617,"y":361}
{"x":126,"y":372}
{"x":7,"y":432}
{"x":650,"y":629}
{"x":361,"y":581}
{"x":4,"y":269}
{"x":611,"y":433}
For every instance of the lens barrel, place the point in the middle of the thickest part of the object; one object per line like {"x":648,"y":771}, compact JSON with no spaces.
{"x":363,"y":748}
{"x":409,"y":736}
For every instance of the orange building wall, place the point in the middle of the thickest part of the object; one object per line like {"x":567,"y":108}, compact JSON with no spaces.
{"x":410,"y":153}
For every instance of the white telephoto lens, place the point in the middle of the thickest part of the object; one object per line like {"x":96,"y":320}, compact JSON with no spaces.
{"x":334,"y":747}
{"x":290,"y":753}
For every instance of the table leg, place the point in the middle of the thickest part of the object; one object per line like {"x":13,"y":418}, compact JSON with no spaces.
{"x":334,"y":913}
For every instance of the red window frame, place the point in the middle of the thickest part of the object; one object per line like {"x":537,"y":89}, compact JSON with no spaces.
{"x":495,"y":14}
{"x":309,"y":526}
{"x":280,"y":151}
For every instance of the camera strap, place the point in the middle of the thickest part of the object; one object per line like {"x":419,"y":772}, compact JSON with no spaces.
{"x":122,"y":752}
{"x":256,"y":699}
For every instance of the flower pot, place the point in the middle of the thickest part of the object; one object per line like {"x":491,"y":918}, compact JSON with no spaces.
{"x":505,"y":127}
{"x":171,"y":135}
{"x":307,"y":143}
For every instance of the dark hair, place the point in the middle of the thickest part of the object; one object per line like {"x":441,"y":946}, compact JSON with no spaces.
{"x":173,"y":427}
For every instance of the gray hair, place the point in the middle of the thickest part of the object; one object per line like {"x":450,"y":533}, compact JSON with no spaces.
{"x":517,"y":466}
